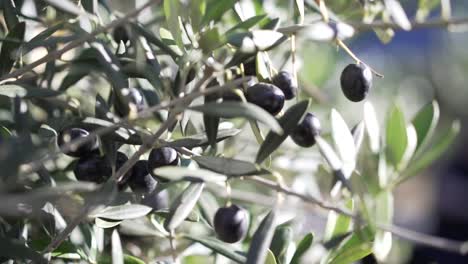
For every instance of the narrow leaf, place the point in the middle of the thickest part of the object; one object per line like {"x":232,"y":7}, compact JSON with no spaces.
{"x":239,"y":109}
{"x":183,"y":205}
{"x":396,"y":137}
{"x":219,"y":247}
{"x":372,"y":127}
{"x":302,"y":248}
{"x":398,"y":14}
{"x":199,"y":140}
{"x":122,"y":212}
{"x":344,"y":142}
{"x":437,"y":149}
{"x":216,"y":11}
{"x":288,"y":122}
{"x":261,"y":240}
{"x":175,"y":173}
{"x":229,"y":167}
{"x":66,"y":6}
{"x":8,"y":52}
{"x":117,"y":254}
{"x":425,"y":122}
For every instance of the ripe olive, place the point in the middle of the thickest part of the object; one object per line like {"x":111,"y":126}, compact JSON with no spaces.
{"x":267,"y":96}
{"x":98,"y":169}
{"x":356,"y":80}
{"x":305,"y":132}
{"x":230,"y":223}
{"x":285,"y":82}
{"x":163,"y":156}
{"x":70,"y":134}
{"x":121,"y":34}
{"x":133,"y":98}
{"x":141,"y":180}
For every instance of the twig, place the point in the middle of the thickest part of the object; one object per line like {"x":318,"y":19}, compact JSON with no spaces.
{"x":146,"y":113}
{"x":275,"y":186}
{"x":57,"y":53}
{"x":345,"y":48}
{"x":437,"y":23}
{"x":406,"y":234}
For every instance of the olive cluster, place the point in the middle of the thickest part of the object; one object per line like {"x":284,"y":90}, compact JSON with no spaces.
{"x":94,"y":167}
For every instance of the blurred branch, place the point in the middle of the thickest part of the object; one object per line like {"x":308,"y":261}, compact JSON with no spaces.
{"x":146,"y":113}
{"x":436,"y":23}
{"x":406,"y":234}
{"x":57,"y":53}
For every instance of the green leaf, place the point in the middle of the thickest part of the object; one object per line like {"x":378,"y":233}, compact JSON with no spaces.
{"x":396,"y":137}
{"x":219,"y":247}
{"x":353,"y":248}
{"x":106,"y":223}
{"x":176,"y":173}
{"x":12,"y":91}
{"x":117,"y":253}
{"x":216,"y":11}
{"x":398,"y":14}
{"x":199,"y":140}
{"x":288,"y":122}
{"x":132,"y":260}
{"x":208,"y":206}
{"x":118,"y":133}
{"x":122,"y":212}
{"x":66,"y":6}
{"x":256,"y":40}
{"x":8,"y":52}
{"x":183,"y":205}
{"x":302,"y":248}
{"x":338,"y":224}
{"x":239,"y":109}
{"x":197,"y":10}
{"x":424,"y":9}
{"x":333,"y":161}
{"x":438,"y":148}
{"x":358,"y":135}
{"x":344,"y":143}
{"x":229,"y":167}
{"x":171,"y":12}
{"x":10,"y":14}
{"x":211,"y":39}
{"x":247,"y":24}
{"x":270,"y":258}
{"x":151,"y":38}
{"x":192,"y":217}
{"x":425,"y":122}
{"x":372,"y":127}
{"x":383,"y":215}
{"x":168,"y":39}
{"x":263,"y":73}
{"x":300,"y":10}
{"x":261,"y":240}
{"x":280,"y":243}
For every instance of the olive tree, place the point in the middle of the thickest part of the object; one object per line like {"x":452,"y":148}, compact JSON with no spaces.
{"x":155,"y":134}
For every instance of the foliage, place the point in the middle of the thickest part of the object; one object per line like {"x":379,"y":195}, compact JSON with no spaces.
{"x":182,"y":57}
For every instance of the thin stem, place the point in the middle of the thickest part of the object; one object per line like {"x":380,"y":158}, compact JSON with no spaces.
{"x":57,"y":53}
{"x":293,"y":62}
{"x":146,"y":113}
{"x":345,"y":48}
{"x":436,"y":23}
{"x":406,"y":234}
{"x":173,"y":246}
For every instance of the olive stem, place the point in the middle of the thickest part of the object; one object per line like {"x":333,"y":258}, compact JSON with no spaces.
{"x":228,"y":193}
{"x":173,"y":246}
{"x":406,"y":234}
{"x":293,"y":62}
{"x":358,"y":61}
